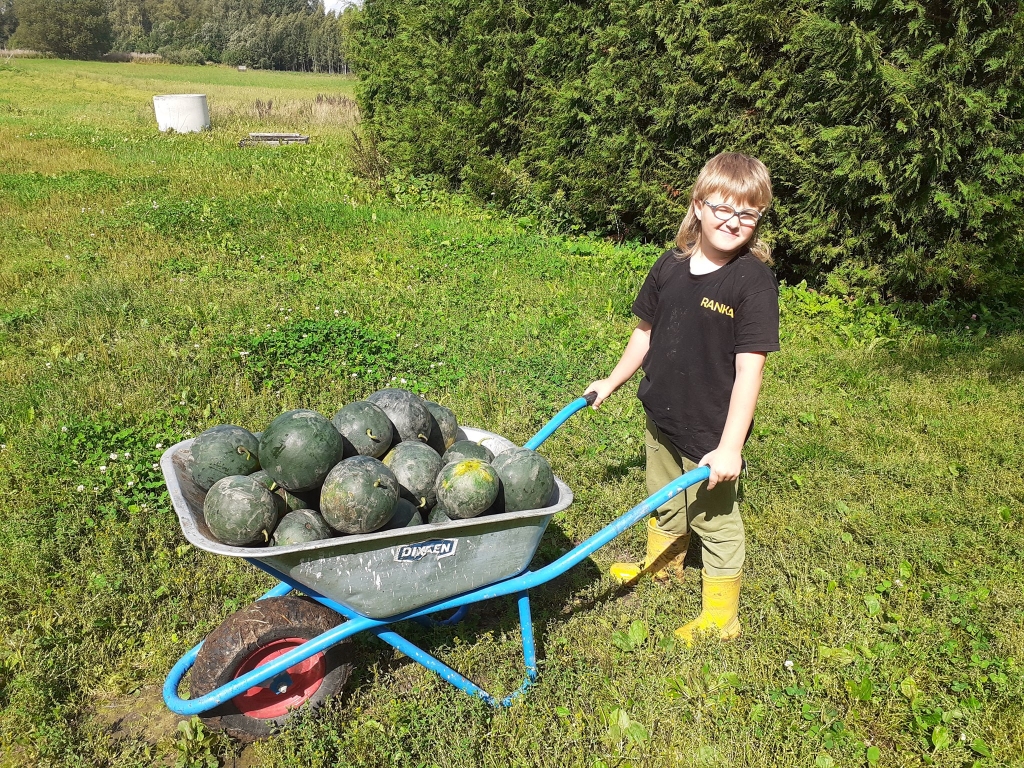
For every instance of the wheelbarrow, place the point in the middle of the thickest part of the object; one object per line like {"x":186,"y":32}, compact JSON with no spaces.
{"x":284,"y":651}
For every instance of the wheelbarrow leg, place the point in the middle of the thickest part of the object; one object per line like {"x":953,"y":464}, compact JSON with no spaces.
{"x":420,"y":656}
{"x":526,"y":629}
{"x":529,"y":649}
{"x":463,"y":683}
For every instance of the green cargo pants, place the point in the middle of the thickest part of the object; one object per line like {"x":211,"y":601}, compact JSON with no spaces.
{"x":714,"y":515}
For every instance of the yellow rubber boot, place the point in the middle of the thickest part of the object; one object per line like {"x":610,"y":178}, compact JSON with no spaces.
{"x":720,"y":600}
{"x":665,"y":555}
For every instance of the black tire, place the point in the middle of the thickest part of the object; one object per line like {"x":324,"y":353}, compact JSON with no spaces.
{"x":241,"y":636}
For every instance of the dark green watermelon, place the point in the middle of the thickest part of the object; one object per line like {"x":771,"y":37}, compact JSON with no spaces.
{"x":300,"y":527}
{"x":240,"y":511}
{"x":416,"y":466}
{"x":406,"y":516}
{"x":366,"y":427}
{"x":467,"y":449}
{"x":467,"y":488}
{"x":288,"y":501}
{"x":409,"y":416}
{"x":443,"y":427}
{"x":221,"y":451}
{"x":527,"y":481}
{"x":359,"y":495}
{"x":438,"y":515}
{"x":299,"y":448}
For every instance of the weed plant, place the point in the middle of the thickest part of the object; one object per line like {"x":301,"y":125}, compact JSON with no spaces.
{"x":152,"y":286}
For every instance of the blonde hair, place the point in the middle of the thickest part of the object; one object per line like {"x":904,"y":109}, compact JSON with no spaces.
{"x":743,"y":178}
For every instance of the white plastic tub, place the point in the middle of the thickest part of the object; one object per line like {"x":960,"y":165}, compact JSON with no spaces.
{"x":182,"y":112}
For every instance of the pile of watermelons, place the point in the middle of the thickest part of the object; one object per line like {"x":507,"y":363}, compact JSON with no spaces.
{"x":390,"y":461}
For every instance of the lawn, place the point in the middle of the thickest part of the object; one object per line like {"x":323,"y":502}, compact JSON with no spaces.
{"x":152,"y":286}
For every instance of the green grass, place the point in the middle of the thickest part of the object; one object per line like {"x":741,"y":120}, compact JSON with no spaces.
{"x":884,"y":503}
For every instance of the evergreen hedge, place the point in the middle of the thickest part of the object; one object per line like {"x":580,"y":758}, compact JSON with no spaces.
{"x":894,"y":129}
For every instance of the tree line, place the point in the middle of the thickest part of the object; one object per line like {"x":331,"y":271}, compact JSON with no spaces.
{"x":264,"y":34}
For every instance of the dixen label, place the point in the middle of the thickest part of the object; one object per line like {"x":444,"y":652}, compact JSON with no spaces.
{"x":436,"y":548}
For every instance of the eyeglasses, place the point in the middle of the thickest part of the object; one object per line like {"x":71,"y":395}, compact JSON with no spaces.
{"x":748,"y":217}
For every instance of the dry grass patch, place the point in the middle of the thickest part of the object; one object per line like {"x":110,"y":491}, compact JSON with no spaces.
{"x":324,"y":111}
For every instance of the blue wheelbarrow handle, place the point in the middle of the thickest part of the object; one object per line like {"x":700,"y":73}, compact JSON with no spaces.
{"x":580,"y":552}
{"x":559,"y":419}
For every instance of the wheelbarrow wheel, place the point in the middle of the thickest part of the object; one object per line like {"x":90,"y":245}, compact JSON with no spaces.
{"x":253,"y":636}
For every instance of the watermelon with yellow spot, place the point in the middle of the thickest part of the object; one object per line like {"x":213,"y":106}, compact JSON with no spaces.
{"x":467,"y":488}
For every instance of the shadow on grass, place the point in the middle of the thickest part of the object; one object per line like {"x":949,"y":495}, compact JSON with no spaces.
{"x":1001,"y":358}
{"x":613,"y":472}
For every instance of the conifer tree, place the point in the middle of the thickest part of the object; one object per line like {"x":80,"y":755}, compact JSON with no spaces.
{"x":894,"y":131}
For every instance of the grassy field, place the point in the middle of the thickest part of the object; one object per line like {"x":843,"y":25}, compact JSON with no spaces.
{"x":152,"y":286}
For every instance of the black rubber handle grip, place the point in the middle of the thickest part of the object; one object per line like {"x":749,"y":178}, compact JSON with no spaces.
{"x":590,"y":397}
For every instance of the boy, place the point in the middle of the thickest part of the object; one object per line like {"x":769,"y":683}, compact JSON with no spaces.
{"x":709,"y":314}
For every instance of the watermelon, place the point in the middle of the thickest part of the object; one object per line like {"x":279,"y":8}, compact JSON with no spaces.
{"x":409,"y":416}
{"x":527,"y":481}
{"x":299,"y":448}
{"x":221,"y":451}
{"x":366,"y":427}
{"x":467,"y":488}
{"x":438,"y":516}
{"x":240,"y":511}
{"x":359,"y":495}
{"x":288,"y":502}
{"x":443,"y":427}
{"x":467,"y":449}
{"x":406,"y":516}
{"x":299,"y":527}
{"x":416,"y":466}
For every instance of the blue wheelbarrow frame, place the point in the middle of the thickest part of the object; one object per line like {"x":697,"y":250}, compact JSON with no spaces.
{"x":274,"y":673}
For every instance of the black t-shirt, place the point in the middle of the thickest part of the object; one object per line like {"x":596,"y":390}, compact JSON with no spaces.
{"x":698,"y":324}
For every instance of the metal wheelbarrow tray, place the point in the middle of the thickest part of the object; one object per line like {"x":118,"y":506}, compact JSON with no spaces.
{"x":379,"y":579}
{"x":385,"y":573}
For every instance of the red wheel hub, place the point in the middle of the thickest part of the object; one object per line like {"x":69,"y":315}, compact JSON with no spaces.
{"x":265,"y":703}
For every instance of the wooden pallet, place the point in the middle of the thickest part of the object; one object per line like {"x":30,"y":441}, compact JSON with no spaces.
{"x":273,"y":139}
